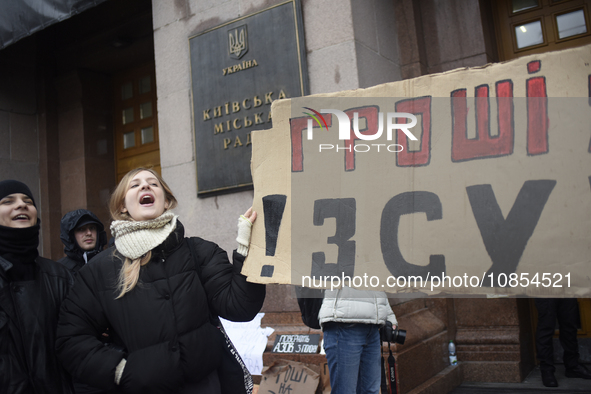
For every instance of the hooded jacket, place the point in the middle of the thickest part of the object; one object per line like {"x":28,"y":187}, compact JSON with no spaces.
{"x":74,"y":259}
{"x":163,"y":323}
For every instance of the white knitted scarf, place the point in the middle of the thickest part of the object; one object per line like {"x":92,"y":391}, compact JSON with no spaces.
{"x":135,"y":239}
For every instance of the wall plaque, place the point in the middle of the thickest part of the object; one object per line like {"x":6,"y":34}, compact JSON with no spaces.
{"x":237,"y":70}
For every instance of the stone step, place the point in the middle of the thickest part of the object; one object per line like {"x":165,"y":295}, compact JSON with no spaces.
{"x":444,"y":382}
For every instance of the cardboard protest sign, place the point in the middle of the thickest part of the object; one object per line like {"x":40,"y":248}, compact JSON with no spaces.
{"x":296,"y":343}
{"x":475,"y":181}
{"x":288,"y":377}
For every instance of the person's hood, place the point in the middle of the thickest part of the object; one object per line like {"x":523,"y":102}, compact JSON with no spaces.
{"x":71,"y":221}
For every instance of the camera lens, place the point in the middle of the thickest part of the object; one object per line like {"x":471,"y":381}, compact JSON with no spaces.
{"x":399,"y":336}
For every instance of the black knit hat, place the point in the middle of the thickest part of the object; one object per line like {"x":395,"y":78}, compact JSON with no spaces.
{"x":11,"y":186}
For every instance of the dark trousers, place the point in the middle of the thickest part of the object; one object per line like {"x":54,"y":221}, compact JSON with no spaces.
{"x":565,"y":310}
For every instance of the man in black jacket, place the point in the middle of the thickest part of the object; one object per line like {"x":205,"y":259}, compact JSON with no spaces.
{"x":83,"y":236}
{"x":31,"y":291}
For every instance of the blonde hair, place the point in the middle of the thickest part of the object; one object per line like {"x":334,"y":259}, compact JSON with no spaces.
{"x":116,"y":203}
{"x":130,"y":271}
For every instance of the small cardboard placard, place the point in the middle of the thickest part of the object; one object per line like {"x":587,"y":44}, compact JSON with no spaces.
{"x":296,"y":343}
{"x":288,"y":377}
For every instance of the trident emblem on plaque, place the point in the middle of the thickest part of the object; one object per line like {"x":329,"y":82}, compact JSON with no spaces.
{"x":238,"y":42}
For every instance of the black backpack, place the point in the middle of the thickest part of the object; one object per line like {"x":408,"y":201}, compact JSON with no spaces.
{"x":310,"y":301}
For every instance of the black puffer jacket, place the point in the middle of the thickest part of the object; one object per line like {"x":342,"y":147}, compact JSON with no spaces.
{"x":74,"y":259}
{"x":28,"y":318}
{"x":163,"y":323}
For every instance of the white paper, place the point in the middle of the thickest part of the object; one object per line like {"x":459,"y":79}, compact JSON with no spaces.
{"x":250,"y":339}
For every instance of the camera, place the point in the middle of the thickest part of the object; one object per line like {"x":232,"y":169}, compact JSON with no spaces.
{"x":387,"y":334}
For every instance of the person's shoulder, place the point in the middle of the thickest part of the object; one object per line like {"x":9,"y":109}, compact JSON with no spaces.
{"x":202,"y":247}
{"x":53,"y":268}
{"x":105,"y":259}
{"x":69,"y":263}
{"x":50,"y":265}
{"x":202,"y":244}
{"x":102,"y":268}
{"x":198,"y":241}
